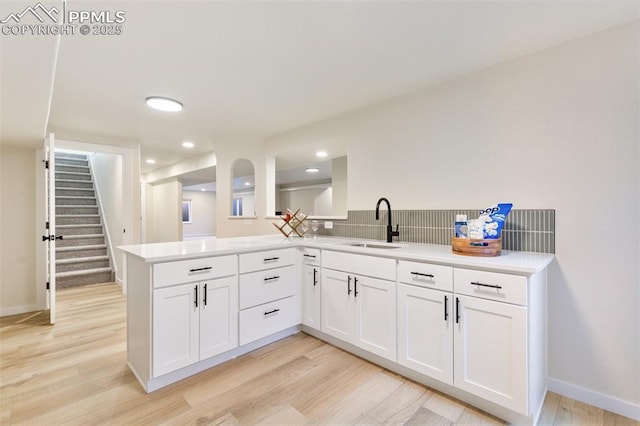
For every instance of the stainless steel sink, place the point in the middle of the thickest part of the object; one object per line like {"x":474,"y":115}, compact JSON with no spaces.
{"x":374,"y":246}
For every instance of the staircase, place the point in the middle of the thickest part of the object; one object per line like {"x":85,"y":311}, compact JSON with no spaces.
{"x":81,"y":256}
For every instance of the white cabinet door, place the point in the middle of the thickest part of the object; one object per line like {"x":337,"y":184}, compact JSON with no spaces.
{"x":311,"y":296}
{"x":337,"y":304}
{"x":491,"y":351}
{"x":425,"y":331}
{"x":375,"y":311}
{"x":175,"y":328}
{"x":218,"y":316}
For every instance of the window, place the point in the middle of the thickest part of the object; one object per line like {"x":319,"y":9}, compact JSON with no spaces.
{"x":186,"y":211}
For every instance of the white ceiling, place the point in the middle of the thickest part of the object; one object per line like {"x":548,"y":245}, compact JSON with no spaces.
{"x":247,"y":70}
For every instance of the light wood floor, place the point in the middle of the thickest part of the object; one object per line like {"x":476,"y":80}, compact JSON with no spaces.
{"x":75,"y":373}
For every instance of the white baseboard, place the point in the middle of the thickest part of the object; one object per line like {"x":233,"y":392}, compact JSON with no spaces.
{"x":597,"y":399}
{"x":15,"y":310}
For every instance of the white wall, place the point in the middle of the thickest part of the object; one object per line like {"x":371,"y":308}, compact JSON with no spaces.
{"x":311,"y":201}
{"x":555,"y":129}
{"x":339,"y":185}
{"x":203,"y":214}
{"x":164,"y":211}
{"x":18,"y":236}
{"x":107,"y":173}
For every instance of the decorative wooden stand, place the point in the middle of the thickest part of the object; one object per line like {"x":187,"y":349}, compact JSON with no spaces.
{"x":292,"y":221}
{"x":469,"y":247}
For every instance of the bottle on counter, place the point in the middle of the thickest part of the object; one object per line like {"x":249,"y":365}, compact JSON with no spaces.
{"x":460,"y":226}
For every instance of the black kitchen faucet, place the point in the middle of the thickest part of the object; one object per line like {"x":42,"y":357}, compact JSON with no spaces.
{"x":390,"y":232}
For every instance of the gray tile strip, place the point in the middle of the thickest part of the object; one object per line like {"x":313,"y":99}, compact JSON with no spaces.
{"x":524,"y":230}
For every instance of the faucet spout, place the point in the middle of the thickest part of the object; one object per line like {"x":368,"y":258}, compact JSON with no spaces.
{"x":390,"y":232}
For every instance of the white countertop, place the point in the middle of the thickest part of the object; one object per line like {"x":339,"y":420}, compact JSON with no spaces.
{"x":524,"y":263}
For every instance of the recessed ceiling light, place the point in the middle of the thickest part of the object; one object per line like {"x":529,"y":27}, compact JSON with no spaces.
{"x":163,"y":104}
{"x":312,"y":170}
{"x":188,"y":144}
{"x":151,"y":161}
{"x":202,"y":189}
{"x":247,"y":184}
{"x":321,"y":154}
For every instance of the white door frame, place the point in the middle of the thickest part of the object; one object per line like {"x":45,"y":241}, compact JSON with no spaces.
{"x":130,"y":195}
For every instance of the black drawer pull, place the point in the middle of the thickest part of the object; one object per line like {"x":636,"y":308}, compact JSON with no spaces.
{"x":446,"y":308}
{"x":457,"y":310}
{"x":272,"y":312}
{"x":355,"y":286}
{"x":271,"y":259}
{"x":195,"y":299}
{"x":422,"y":275}
{"x":204,"y":292}
{"x":486,"y":285}
{"x":310,"y":255}
{"x":315,"y":277}
{"x":271,"y":278}
{"x":206,"y":268}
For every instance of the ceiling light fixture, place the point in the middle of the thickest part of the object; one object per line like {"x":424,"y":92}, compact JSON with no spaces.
{"x":321,"y":154}
{"x":247,"y":184}
{"x":312,"y":170}
{"x":188,"y":144}
{"x":151,"y":161}
{"x":163,"y":104}
{"x":202,"y":189}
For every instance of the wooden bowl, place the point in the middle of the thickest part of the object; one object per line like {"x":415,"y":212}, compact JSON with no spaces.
{"x":469,"y":247}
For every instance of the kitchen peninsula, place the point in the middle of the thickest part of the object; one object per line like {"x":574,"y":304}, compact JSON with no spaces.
{"x":472,"y":327}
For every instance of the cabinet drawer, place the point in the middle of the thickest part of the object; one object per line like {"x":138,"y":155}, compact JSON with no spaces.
{"x":264,"y":286}
{"x":311,"y":256}
{"x":426,"y":275}
{"x":372,"y":266}
{"x":491,"y":285}
{"x":185,"y":271}
{"x":263,"y":320}
{"x":250,"y":262}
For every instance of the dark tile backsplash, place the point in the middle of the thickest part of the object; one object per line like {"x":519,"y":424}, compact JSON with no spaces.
{"x":524,"y":230}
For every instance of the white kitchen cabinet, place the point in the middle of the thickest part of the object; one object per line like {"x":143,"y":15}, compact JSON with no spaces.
{"x":269,"y":293}
{"x":425,"y":331}
{"x":490,"y":343}
{"x":192,"y":322}
{"x":176,"y":328}
{"x":219,"y":316}
{"x":337,"y":305}
{"x":357,"y":308}
{"x":311,"y":296}
{"x":311,"y":288}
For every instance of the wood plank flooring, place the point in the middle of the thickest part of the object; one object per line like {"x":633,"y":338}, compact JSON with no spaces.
{"x":75,"y":373}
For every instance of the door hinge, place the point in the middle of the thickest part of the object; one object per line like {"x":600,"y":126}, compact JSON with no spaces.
{"x":47,"y":225}
{"x":47,"y":285}
{"x":46,"y":164}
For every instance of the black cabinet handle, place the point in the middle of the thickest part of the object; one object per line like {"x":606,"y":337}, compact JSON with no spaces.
{"x":272,"y":312}
{"x":310,"y":255}
{"x":422,"y":275}
{"x":355,"y":286}
{"x":271,"y":259}
{"x":58,"y":237}
{"x":486,"y":285}
{"x":315,"y":277}
{"x":348,"y":285}
{"x":446,"y":309}
{"x":204,"y":298}
{"x":271,"y":278}
{"x":457,"y":310}
{"x":206,"y":268}
{"x":195,"y":299}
